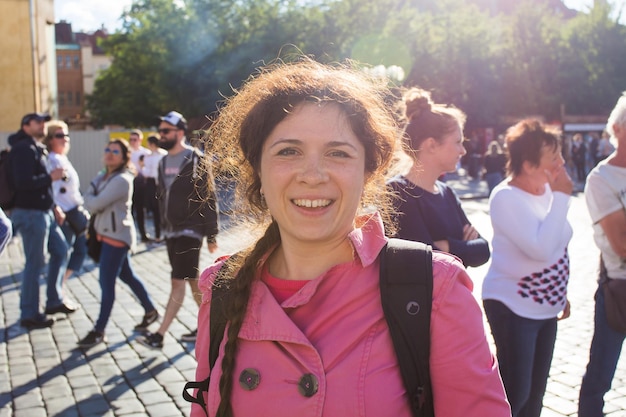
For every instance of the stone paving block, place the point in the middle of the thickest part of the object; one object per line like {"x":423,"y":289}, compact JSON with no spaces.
{"x":125,"y":351}
{"x":94,"y":406}
{"x":61,"y":406}
{"x":23,"y":379}
{"x":120,"y":391}
{"x":167,"y":376}
{"x":183,"y":405}
{"x":547,"y":412}
{"x":563,"y":391}
{"x":31,"y":412}
{"x":125,"y":407}
{"x":560,"y":404}
{"x":29,"y":399}
{"x":567,"y":379}
{"x":144,"y":385}
{"x":175,"y":391}
{"x":76,"y":367}
{"x":54,"y":388}
{"x":137,"y":375}
{"x":87,"y":392}
{"x":163,"y":410}
{"x":6,"y":400}
{"x":154,"y":397}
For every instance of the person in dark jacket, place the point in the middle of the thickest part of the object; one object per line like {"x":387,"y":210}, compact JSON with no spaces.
{"x":427,"y":209}
{"x":37,"y":219}
{"x":188,"y":215}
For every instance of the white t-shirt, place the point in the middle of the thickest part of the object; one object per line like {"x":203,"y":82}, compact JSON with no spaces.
{"x":529,"y":268}
{"x":151,"y":163}
{"x":136,"y":154}
{"x":66,"y":193}
{"x":605,"y":192}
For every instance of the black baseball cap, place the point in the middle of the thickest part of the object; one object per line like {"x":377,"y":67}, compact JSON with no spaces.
{"x":42,"y":117}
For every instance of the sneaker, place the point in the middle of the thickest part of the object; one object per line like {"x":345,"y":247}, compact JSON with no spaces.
{"x":189,"y":337}
{"x":151,"y":340}
{"x":93,"y":338}
{"x":148,"y":319}
{"x":38,"y":323}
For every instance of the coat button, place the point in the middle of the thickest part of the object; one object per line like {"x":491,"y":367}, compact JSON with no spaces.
{"x":308,"y":385}
{"x":249,"y":379}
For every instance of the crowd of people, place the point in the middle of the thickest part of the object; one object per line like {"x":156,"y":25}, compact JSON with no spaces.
{"x":54,"y":217}
{"x":329,"y":171}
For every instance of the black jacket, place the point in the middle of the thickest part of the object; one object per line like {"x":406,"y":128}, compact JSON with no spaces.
{"x":29,"y":170}
{"x":188,"y":204}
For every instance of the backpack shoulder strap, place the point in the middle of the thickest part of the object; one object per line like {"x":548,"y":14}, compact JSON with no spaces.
{"x":406,"y":288}
{"x":219,"y":300}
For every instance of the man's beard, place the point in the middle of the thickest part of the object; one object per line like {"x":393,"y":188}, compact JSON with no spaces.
{"x":167,"y":144}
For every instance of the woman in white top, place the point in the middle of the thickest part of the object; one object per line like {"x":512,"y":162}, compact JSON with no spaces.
{"x":525,"y":289}
{"x":67,"y":194}
{"x":150,"y":171}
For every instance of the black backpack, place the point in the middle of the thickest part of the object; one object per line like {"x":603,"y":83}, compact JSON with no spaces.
{"x":7,"y":188}
{"x":406,"y":288}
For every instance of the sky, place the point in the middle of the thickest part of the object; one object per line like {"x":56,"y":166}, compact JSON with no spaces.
{"x":90,"y":15}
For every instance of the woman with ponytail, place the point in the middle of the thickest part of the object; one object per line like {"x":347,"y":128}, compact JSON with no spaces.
{"x":427,"y":209}
{"x":306,"y":335}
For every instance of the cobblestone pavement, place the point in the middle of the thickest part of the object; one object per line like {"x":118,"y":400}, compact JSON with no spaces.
{"x":43,"y":374}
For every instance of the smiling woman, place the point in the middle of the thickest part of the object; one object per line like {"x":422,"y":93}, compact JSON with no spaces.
{"x":311,"y":144}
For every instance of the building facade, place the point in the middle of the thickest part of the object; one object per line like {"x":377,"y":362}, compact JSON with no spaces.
{"x":79,"y":60}
{"x":27,"y":62}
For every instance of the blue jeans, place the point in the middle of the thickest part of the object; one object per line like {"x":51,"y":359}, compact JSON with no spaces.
{"x":40,"y":233}
{"x":606,"y":347}
{"x":78,"y":246}
{"x":524,"y":350}
{"x":115,"y":262}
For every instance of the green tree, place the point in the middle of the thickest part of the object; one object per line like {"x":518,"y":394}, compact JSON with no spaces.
{"x":593,"y":64}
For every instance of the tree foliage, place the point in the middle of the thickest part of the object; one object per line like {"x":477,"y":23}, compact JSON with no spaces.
{"x":525,"y":59}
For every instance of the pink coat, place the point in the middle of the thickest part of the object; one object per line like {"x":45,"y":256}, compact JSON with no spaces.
{"x":333,"y":333}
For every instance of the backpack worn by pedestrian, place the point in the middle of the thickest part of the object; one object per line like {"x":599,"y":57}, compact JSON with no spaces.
{"x":7,"y":188}
{"x":406,"y":289}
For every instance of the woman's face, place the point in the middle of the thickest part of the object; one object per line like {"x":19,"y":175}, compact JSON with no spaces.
{"x":312,"y":174}
{"x":113,"y":157}
{"x":551,"y":161}
{"x":60,"y":141}
{"x":450,"y":150}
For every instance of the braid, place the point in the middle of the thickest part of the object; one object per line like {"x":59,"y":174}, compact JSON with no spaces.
{"x":236,"y":311}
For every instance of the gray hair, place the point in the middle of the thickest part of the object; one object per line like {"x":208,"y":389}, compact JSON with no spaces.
{"x":618,"y":115}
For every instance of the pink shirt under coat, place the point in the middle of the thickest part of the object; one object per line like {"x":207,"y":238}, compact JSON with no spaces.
{"x":334,"y":328}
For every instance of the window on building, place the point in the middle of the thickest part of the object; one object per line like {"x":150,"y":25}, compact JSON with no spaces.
{"x":68,"y":62}
{"x":61,"y":98}
{"x":78,"y":103}
{"x":76,"y":62}
{"x":59,"y":61}
{"x":70,"y":98}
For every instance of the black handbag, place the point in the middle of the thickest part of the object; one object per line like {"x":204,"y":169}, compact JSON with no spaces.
{"x":94,"y":246}
{"x":78,"y":219}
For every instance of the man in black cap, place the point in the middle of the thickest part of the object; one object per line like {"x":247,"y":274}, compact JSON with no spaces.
{"x":33,"y":216}
{"x":188,"y":214}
